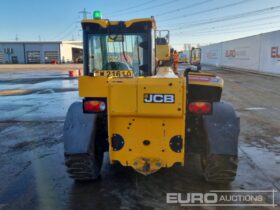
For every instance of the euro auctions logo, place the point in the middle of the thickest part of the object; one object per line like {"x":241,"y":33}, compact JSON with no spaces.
{"x":224,"y":198}
{"x":230,"y":53}
{"x":275,"y":52}
{"x":191,"y":199}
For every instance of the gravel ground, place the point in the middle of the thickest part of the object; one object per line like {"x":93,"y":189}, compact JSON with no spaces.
{"x":33,"y":103}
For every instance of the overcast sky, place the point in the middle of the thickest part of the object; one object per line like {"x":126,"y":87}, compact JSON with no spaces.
{"x":196,"y":21}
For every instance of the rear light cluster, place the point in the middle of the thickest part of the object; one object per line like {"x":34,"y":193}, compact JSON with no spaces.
{"x":93,"y":106}
{"x":200,"y":107}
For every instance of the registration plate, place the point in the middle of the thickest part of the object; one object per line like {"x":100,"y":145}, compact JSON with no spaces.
{"x":110,"y":73}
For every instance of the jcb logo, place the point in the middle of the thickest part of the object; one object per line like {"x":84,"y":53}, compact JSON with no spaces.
{"x":159,"y":98}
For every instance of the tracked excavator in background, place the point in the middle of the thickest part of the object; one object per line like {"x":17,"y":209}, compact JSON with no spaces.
{"x":136,"y":109}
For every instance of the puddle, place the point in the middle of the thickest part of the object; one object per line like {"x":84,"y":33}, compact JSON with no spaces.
{"x":254,"y":108}
{"x":277,"y":138}
{"x":12,"y":92}
{"x":265,"y":160}
{"x":37,"y":106}
{"x":39,"y":86}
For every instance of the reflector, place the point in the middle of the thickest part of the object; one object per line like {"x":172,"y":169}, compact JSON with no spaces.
{"x":200,"y":107}
{"x":94,"y":106}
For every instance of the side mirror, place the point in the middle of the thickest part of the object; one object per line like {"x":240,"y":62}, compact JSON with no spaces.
{"x":187,"y":70}
{"x":144,"y":67}
{"x":195,"y":56}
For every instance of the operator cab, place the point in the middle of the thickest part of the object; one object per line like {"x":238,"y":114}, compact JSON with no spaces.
{"x":119,"y":48}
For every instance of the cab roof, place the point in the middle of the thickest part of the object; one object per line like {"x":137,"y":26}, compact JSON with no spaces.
{"x":104,"y":23}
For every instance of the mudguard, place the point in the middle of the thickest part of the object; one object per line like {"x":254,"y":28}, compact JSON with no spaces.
{"x":79,"y":130}
{"x":222,"y":129}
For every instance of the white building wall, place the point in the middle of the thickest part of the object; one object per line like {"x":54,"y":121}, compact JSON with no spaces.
{"x":33,"y":47}
{"x":259,"y":53}
{"x":42,"y":48}
{"x":66,"y":47}
{"x":212,"y":54}
{"x":17,"y":49}
{"x":242,"y":53}
{"x":66,"y":53}
{"x":50,"y":47}
{"x":21,"y":49}
{"x":270,"y":52}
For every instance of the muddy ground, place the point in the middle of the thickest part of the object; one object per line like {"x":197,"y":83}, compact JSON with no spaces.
{"x":33,"y":104}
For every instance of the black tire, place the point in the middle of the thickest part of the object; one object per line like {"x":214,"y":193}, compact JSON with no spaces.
{"x":84,"y":167}
{"x":219,"y":168}
{"x":220,"y":156}
{"x":85,"y":141}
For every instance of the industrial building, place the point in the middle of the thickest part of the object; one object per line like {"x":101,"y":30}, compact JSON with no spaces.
{"x":260,"y":53}
{"x":36,"y":52}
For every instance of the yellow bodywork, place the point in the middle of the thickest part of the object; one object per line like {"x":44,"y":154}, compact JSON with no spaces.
{"x":205,"y":79}
{"x":105,"y":23}
{"x":139,"y":122}
{"x":146,"y":115}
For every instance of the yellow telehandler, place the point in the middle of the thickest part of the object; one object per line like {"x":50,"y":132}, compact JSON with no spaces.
{"x":138,"y":110}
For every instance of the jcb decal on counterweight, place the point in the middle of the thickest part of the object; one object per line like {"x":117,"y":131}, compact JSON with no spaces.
{"x":159,"y":98}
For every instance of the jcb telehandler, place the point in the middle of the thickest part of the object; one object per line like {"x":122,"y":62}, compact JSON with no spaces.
{"x":139,"y":111}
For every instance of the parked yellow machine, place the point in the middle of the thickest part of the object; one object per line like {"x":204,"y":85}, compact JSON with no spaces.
{"x":162,"y":45}
{"x":145,"y":116}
